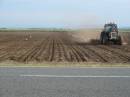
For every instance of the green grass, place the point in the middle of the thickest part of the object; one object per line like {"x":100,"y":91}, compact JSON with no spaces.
{"x":61,"y":64}
{"x":34,"y":30}
{"x":124,"y":30}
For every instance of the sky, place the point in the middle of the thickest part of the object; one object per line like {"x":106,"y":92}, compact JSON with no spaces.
{"x":63,"y":13}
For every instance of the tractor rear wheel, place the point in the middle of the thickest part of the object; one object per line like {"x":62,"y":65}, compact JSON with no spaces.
{"x":104,"y":39}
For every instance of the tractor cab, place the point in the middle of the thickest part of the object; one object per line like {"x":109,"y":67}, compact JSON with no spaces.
{"x":110,"y":28}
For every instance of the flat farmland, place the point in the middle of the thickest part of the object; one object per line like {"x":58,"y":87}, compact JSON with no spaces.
{"x":27,"y":46}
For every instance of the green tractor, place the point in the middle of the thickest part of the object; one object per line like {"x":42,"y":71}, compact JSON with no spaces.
{"x":110,"y":35}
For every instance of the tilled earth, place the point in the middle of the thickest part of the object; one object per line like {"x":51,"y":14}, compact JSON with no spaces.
{"x":57,"y":47}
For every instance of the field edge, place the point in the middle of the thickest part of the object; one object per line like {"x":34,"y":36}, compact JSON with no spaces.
{"x":63,"y":64}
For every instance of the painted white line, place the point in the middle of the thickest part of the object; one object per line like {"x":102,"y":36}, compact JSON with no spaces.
{"x":71,"y":76}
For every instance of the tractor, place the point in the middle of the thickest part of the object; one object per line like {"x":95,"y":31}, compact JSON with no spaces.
{"x":110,"y":35}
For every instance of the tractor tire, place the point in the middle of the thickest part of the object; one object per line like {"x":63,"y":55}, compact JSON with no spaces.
{"x":104,"y":40}
{"x":101,"y":37}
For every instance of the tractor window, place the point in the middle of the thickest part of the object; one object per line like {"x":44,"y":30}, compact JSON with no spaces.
{"x":108,"y":28}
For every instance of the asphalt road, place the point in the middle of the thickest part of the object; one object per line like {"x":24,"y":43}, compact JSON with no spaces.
{"x":64,"y":82}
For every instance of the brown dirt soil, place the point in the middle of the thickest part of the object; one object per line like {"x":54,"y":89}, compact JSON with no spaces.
{"x":59,"y":47}
{"x":125,"y":38}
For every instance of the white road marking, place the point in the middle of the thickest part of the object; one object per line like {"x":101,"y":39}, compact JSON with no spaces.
{"x":72,"y":76}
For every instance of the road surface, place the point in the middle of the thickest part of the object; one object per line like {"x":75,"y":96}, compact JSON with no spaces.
{"x":64,"y":82}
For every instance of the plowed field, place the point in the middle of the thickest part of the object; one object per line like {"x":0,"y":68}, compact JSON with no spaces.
{"x":57,"y":47}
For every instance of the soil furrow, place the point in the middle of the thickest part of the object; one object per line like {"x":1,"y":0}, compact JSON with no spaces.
{"x":114,"y":52}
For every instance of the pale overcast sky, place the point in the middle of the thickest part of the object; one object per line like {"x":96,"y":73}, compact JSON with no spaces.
{"x":63,"y":13}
